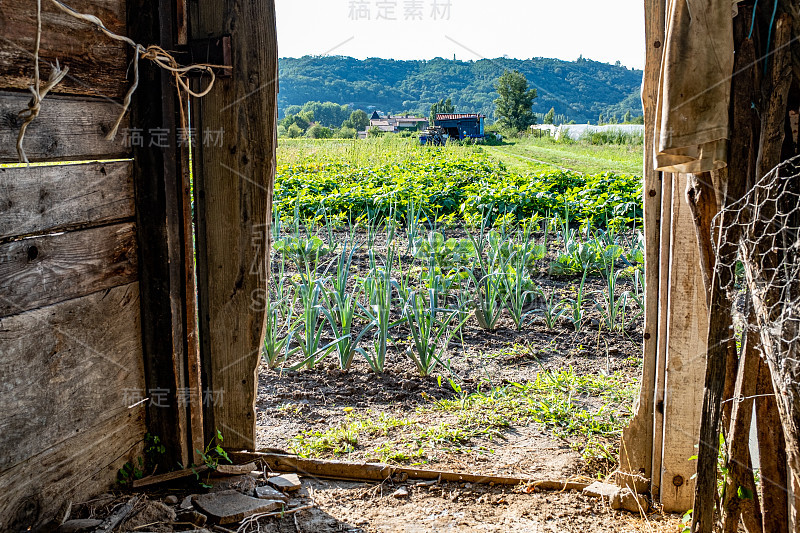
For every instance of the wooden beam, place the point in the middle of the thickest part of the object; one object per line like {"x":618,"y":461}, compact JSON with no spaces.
{"x":234,"y":194}
{"x":772,"y":454}
{"x":196,"y":434}
{"x":702,"y":202}
{"x":50,"y":199}
{"x":636,"y":450}
{"x":67,"y":129}
{"x":97,"y":65}
{"x":45,"y":270}
{"x":740,"y":473}
{"x":160,"y":222}
{"x":381,"y":472}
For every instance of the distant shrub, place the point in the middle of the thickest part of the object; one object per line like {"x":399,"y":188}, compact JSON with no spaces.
{"x":612,"y":137}
{"x":319,"y":132}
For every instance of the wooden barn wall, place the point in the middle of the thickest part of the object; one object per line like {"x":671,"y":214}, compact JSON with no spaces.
{"x":71,"y":360}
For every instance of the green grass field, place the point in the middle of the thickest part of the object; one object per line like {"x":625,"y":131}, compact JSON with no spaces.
{"x":535,"y":154}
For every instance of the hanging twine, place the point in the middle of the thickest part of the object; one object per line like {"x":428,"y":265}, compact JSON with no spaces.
{"x":156,"y":54}
{"x":37,"y":90}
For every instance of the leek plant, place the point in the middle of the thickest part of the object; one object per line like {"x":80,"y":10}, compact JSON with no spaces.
{"x":551,"y":309}
{"x":280,"y":327}
{"x":430,"y":333}
{"x":279,"y":332}
{"x":310,"y":334}
{"x":490,"y":294}
{"x":378,"y":287}
{"x":517,"y":282}
{"x":575,"y":305}
{"x":612,"y":304}
{"x":339,"y":309}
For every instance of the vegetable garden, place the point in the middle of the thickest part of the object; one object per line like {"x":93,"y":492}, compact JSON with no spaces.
{"x":438,"y":300}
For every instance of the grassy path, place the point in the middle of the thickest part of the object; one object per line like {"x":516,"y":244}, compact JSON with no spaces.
{"x":539,"y":154}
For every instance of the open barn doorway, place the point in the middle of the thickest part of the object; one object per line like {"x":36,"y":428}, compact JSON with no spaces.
{"x":449,"y":334}
{"x":426,"y":312}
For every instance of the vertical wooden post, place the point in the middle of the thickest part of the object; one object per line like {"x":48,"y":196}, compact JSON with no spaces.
{"x":686,"y":348}
{"x":234,"y":192}
{"x":663,"y":328}
{"x":159,"y":215}
{"x":772,"y":451}
{"x":636,"y":453}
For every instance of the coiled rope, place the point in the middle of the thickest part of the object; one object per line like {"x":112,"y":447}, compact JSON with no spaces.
{"x":154,"y":53}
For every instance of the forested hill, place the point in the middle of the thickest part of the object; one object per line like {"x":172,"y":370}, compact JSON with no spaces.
{"x":581,"y":89}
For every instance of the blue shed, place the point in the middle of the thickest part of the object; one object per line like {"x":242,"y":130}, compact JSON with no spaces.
{"x":462,"y":125}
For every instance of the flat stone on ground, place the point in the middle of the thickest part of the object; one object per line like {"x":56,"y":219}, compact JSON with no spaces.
{"x":628,"y":500}
{"x":598,"y":489}
{"x":285,"y":482}
{"x":400,"y":493}
{"x":230,"y":506}
{"x":235,"y":470}
{"x":243,"y":483}
{"x":268,"y":493}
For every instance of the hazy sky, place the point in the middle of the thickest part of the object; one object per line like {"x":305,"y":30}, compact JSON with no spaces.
{"x":605,"y":31}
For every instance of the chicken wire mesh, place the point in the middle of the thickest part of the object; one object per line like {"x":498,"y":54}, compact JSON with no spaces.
{"x":758,"y":251}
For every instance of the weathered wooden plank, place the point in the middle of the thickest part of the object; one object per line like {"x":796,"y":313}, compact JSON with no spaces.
{"x":740,"y":473}
{"x":45,"y":270}
{"x":663,"y":314}
{"x":66,"y":367}
{"x":75,"y":469}
{"x":234,"y":187}
{"x":772,"y":453}
{"x":193,"y":366}
{"x":636,"y":452}
{"x":97,"y":65}
{"x":685,"y":363}
{"x":381,"y":472}
{"x":39,"y":199}
{"x":159,"y":220}
{"x":67,"y":129}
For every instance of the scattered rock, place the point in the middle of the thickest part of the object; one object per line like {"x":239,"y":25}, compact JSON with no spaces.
{"x":618,"y":498}
{"x":401,"y":493}
{"x":79,"y":526}
{"x":152,"y":512}
{"x":231,"y":506}
{"x":400,"y":477}
{"x":171,"y":499}
{"x":626,"y":499}
{"x":598,"y":489}
{"x":192,"y":516}
{"x":186,"y":504}
{"x":634,"y":481}
{"x":268,"y":493}
{"x":285,"y":482}
{"x":235,"y":470}
{"x":244,"y":484}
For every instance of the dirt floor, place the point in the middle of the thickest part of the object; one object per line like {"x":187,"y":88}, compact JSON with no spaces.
{"x":339,"y":506}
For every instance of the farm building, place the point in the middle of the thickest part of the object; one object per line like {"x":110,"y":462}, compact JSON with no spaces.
{"x":390,"y":124}
{"x":462,"y":125}
{"x":129,"y":281}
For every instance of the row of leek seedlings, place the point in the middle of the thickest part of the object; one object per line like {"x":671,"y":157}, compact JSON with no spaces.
{"x":500,"y":279}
